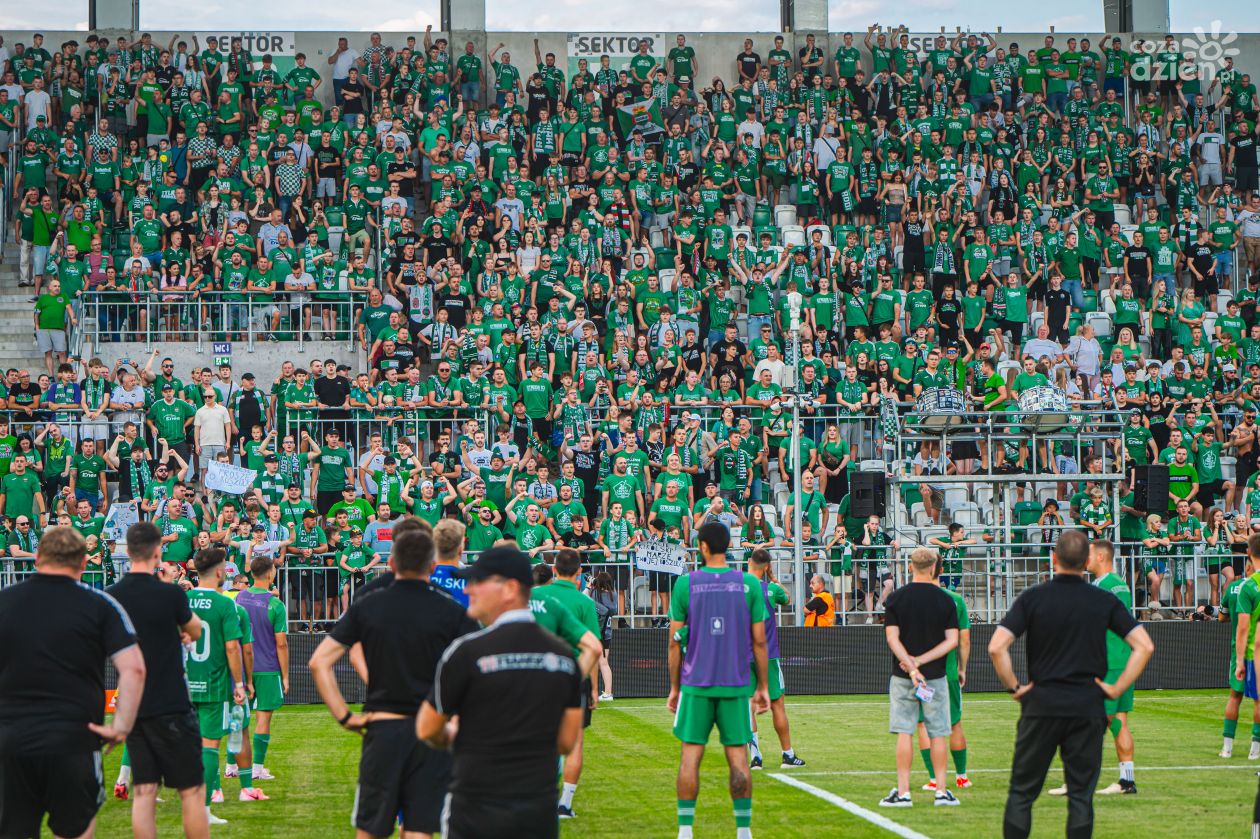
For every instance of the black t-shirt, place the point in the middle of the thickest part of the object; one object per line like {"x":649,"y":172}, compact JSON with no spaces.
{"x":353,"y":105}
{"x":25,"y":393}
{"x":250,"y":410}
{"x":1244,"y":150}
{"x":510,"y":684}
{"x":749,"y":63}
{"x":456,"y":306}
{"x":55,"y":635}
{"x":1138,"y":265}
{"x":157,"y":611}
{"x":1202,"y":257}
{"x":1058,"y":301}
{"x":923,"y":611}
{"x":404,"y":628}
{"x":332,"y":391}
{"x":1066,"y":622}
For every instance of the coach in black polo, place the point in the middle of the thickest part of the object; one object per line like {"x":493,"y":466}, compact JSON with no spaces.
{"x":404,"y":629}
{"x":1066,"y":622}
{"x":515,"y":689}
{"x":55,"y":635}
{"x":165,"y":745}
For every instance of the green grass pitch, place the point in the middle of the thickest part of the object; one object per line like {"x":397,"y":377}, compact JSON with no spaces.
{"x":628,"y":785}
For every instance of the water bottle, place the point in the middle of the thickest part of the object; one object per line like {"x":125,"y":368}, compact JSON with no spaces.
{"x":236,"y":725}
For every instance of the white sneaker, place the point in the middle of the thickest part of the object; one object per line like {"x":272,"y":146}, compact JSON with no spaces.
{"x":1058,"y":790}
{"x":1114,"y":789}
{"x":230,"y":771}
{"x":213,"y":819}
{"x":1226,"y":753}
{"x":216,"y":797}
{"x":261,"y":774}
{"x":605,"y":697}
{"x":1254,"y":754}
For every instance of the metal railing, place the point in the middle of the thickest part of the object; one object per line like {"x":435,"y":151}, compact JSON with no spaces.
{"x":211,"y":316}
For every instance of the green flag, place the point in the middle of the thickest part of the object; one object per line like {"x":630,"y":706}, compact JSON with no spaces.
{"x":642,"y":116}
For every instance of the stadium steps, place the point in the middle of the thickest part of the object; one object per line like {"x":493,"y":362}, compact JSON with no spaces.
{"x":17,"y":331}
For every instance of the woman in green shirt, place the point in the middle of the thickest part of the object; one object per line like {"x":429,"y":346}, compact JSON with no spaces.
{"x":1190,"y":313}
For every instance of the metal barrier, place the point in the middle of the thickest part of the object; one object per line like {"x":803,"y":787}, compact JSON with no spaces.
{"x":209,"y":316}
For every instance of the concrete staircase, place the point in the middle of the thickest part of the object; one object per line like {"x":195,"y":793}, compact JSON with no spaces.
{"x":17,"y":330}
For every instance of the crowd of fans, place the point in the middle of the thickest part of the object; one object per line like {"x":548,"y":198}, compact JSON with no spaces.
{"x":581,"y":330}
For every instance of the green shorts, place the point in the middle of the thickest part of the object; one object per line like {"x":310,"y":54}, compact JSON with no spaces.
{"x":268,"y":692}
{"x":213,"y":719}
{"x":774,"y":674}
{"x":698,"y":714}
{"x":1236,"y":685}
{"x":1124,"y":704}
{"x":955,"y":702}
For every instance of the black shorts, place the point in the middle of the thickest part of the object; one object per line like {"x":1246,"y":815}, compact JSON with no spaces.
{"x":68,"y":788}
{"x":399,"y":774}
{"x":482,"y":817}
{"x":1208,"y":285}
{"x":166,"y":750}
{"x":325,"y":499}
{"x":1210,"y":492}
{"x":586,"y":703}
{"x":306,"y":583}
{"x":662,"y":582}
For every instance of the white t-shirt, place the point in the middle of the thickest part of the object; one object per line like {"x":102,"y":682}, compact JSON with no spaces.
{"x":213,"y":421}
{"x":341,"y":68}
{"x":38,"y":103}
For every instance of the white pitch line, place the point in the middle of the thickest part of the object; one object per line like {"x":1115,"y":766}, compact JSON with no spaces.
{"x":1203,"y":768}
{"x":849,"y":807}
{"x":1151,"y":697}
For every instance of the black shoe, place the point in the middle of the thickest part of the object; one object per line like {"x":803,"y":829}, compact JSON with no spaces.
{"x":945,"y":798}
{"x":790,"y":761}
{"x":895,"y":799}
{"x":563,"y":812}
{"x":1128,"y":787}
{"x":755,"y":763}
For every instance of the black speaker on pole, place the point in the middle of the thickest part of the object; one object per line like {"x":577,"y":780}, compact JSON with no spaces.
{"x":867,"y":494}
{"x":1150,"y":488}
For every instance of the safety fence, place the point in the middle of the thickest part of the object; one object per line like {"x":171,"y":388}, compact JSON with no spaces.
{"x":202,"y":317}
{"x":842,"y":586}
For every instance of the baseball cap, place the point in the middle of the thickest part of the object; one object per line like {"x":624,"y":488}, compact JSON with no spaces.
{"x":168,"y":386}
{"x":271,"y":458}
{"x":426,"y":484}
{"x":310,"y":514}
{"x":507,"y":562}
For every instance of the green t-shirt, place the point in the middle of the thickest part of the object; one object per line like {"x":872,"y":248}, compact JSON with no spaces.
{"x":89,"y":471}
{"x":1248,"y":602}
{"x":206,"y":664}
{"x":679,"y":608}
{"x":169,"y":419}
{"x":19,"y":494}
{"x":964,"y":622}
{"x":1117,"y":649}
{"x":332,"y":469}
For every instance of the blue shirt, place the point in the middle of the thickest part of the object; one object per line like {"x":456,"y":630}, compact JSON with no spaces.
{"x":443,"y":577}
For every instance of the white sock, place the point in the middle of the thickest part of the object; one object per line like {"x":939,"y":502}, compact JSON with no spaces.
{"x":684,"y":831}
{"x":743,"y":833}
{"x":1229,"y":743}
{"x":755,"y":746}
{"x":566,"y":796}
{"x":1126,"y":770}
{"x":124,"y":775}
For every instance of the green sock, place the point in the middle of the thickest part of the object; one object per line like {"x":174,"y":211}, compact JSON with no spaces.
{"x":1231,"y":728}
{"x":686,"y":812}
{"x":927,"y":761}
{"x":247,"y":778}
{"x":126,"y":758}
{"x":261,"y":741}
{"x":231,"y":758}
{"x":1255,"y":731}
{"x":209,"y":769}
{"x":960,"y":761}
{"x":743,"y":811}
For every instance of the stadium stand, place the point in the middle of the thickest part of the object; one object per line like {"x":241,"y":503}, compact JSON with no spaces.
{"x":967,"y":294}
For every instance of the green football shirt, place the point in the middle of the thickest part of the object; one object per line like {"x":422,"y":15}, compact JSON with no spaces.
{"x":206,"y":664}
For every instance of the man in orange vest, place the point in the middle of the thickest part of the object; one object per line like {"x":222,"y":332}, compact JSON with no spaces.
{"x":821,"y":608}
